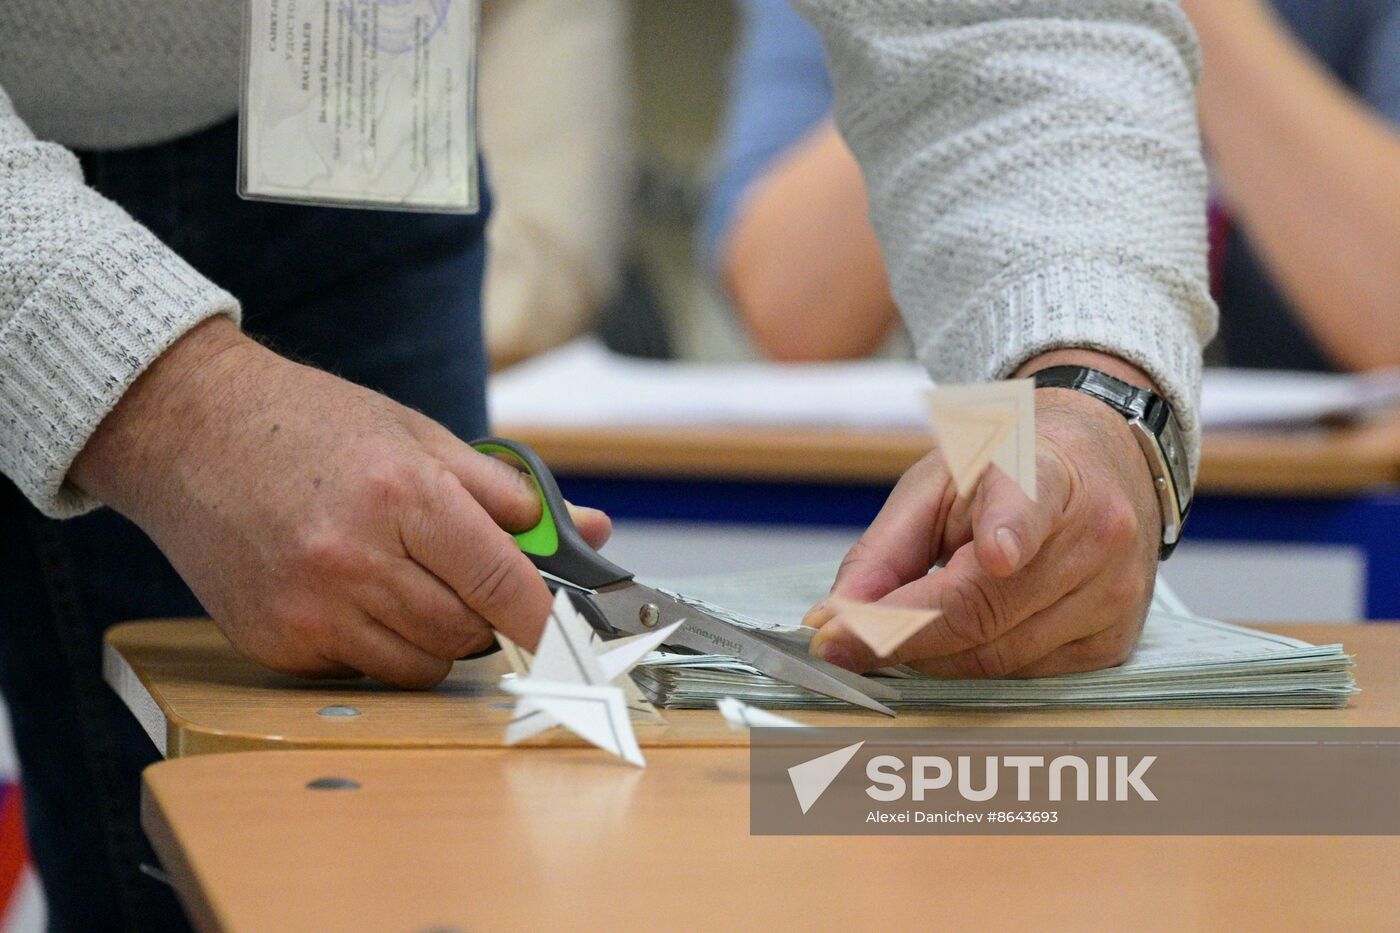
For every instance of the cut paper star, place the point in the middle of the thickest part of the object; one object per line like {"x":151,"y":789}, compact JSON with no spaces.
{"x":577,"y":680}
{"x":982,"y":424}
{"x":595,"y":714}
{"x":882,"y":628}
{"x":611,"y":654}
{"x":742,"y":716}
{"x":616,"y":658}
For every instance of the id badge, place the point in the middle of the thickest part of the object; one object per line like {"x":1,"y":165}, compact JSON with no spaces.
{"x":360,"y":103}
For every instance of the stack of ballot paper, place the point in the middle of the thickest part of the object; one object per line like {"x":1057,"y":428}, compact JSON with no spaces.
{"x":1182,"y":660}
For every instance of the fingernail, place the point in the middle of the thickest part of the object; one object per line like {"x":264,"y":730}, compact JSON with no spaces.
{"x":1010,"y":545}
{"x":833,"y":653}
{"x":818,"y":615}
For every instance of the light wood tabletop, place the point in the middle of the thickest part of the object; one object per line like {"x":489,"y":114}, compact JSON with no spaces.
{"x":1298,"y":463}
{"x":527,"y":839}
{"x":195,"y":694}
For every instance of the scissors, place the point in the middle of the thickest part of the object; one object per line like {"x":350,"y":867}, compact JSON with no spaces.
{"x":614,"y":602}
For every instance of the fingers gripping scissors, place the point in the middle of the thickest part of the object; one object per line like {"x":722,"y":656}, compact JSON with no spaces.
{"x":615,"y":603}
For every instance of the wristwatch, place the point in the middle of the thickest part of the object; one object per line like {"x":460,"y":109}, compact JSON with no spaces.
{"x":1157,"y":432}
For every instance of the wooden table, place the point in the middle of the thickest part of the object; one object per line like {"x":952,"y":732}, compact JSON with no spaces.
{"x":449,"y":841}
{"x":195,"y":694}
{"x":1281,"y":463}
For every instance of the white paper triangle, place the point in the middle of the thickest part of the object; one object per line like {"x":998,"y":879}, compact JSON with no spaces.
{"x":741,"y":715}
{"x":981,"y":424}
{"x":882,"y":628}
{"x":619,"y":657}
{"x":565,"y":653}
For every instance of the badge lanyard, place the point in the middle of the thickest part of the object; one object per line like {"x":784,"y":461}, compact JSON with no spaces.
{"x":360,"y":103}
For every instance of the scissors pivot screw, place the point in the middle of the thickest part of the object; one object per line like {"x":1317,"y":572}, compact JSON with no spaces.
{"x":649,"y":615}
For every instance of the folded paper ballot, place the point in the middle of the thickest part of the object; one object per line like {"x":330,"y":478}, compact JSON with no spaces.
{"x":1182,"y":660}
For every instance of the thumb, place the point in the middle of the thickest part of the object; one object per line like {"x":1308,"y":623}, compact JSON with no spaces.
{"x":902,"y":542}
{"x":593,"y":524}
{"x":1008,"y":529}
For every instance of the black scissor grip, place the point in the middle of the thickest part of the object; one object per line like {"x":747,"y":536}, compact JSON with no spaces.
{"x":554,"y":545}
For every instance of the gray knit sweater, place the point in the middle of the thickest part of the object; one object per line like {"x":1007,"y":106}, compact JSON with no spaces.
{"x":1033,"y":165}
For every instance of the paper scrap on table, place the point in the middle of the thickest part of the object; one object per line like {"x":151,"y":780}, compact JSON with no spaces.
{"x":569,"y":681}
{"x":882,"y":628}
{"x":595,"y":714}
{"x":986,"y":423}
{"x":741,"y":715}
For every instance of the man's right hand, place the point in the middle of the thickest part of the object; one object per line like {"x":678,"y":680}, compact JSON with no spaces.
{"x":328,"y":530}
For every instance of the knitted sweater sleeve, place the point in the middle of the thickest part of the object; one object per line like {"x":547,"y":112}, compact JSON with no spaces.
{"x":1035,"y":178}
{"x":88,"y":298}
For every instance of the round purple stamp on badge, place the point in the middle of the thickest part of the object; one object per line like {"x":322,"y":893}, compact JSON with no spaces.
{"x":396,"y":26}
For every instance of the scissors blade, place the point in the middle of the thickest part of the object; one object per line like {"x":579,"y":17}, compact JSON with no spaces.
{"x":626,"y":606}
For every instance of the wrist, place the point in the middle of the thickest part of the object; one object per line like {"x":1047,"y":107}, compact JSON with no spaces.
{"x":142,"y":438}
{"x":1072,"y":418}
{"x":1150,"y":424}
{"x":1115,"y":366}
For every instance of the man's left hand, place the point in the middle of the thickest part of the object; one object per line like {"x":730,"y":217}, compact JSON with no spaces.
{"x":1026,"y":589}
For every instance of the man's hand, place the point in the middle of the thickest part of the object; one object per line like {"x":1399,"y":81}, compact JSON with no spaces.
{"x":1028,"y":589}
{"x":328,"y":530}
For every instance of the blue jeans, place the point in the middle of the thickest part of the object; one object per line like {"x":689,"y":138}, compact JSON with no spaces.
{"x":390,"y":301}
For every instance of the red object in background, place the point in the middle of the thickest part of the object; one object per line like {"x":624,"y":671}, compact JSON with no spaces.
{"x":1219,"y":221}
{"x":14,"y":852}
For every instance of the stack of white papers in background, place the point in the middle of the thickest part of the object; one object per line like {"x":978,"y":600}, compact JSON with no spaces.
{"x":1235,"y":398}
{"x":582,"y":384}
{"x":1182,"y":660}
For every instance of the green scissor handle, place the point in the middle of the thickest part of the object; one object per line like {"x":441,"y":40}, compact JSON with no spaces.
{"x":554,"y":545}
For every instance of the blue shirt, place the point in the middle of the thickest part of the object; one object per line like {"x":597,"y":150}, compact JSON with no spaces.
{"x":780,"y":91}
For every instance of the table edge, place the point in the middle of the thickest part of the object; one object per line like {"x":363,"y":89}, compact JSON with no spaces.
{"x":177,"y":737}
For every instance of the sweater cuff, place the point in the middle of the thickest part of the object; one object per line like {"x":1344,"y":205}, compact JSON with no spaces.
{"x":1136,"y":315}
{"x":77,"y":343}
